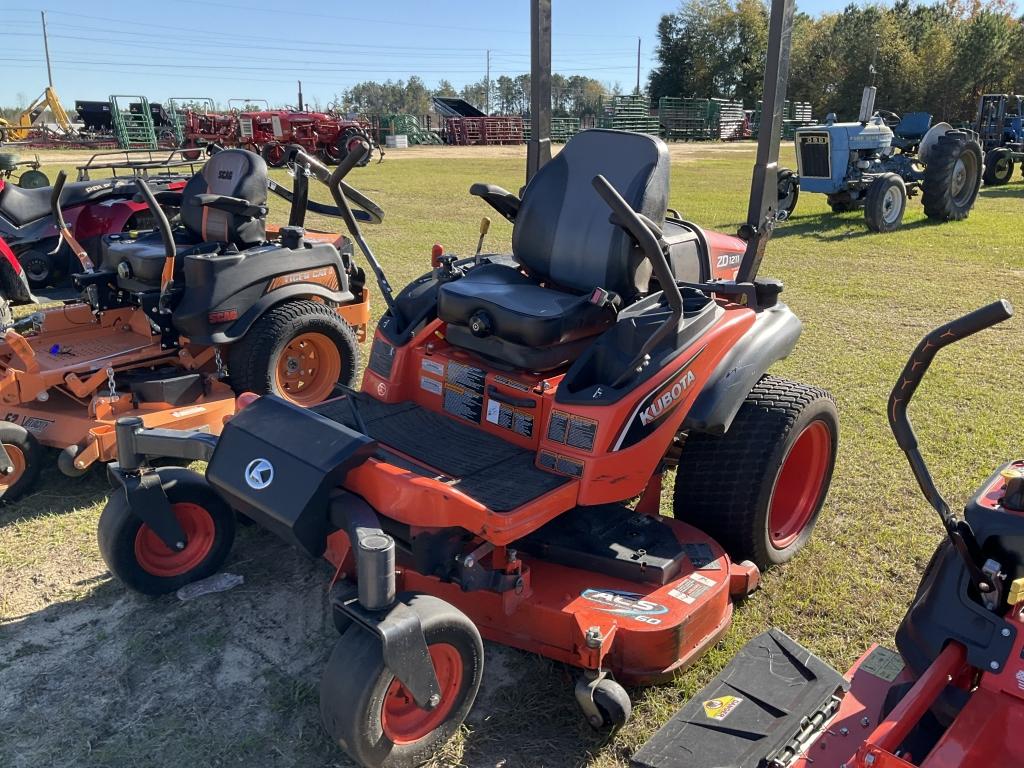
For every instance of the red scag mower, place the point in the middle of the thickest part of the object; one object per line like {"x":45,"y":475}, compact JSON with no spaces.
{"x":953,"y":694}
{"x":499,"y":474}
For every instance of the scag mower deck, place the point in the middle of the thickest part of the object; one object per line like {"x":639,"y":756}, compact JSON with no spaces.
{"x":491,"y":471}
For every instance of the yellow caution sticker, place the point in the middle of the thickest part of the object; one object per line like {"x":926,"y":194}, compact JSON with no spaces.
{"x":719,"y":709}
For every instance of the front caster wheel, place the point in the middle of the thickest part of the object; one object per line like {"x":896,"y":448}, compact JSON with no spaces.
{"x":26,"y":455}
{"x":372,"y":716}
{"x":604,"y":702}
{"x":140,"y":559}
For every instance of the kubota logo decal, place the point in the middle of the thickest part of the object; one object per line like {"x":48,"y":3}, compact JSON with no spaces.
{"x":719,"y":709}
{"x":259,"y":474}
{"x":667,"y":399}
{"x":623,"y":603}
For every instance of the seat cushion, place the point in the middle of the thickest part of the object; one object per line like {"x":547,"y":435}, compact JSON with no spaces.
{"x":519,"y":311}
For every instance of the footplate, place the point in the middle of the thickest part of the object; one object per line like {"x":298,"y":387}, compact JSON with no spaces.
{"x":760,"y":712}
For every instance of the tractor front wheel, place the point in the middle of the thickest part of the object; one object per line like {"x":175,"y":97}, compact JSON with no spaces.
{"x":759,"y":488}
{"x":299,"y":351}
{"x":886,"y":203}
{"x":789,"y":191}
{"x":140,"y":559}
{"x":371,"y":714}
{"x":952,"y":179}
{"x":998,"y":167}
{"x":26,"y":455}
{"x":274,"y":153}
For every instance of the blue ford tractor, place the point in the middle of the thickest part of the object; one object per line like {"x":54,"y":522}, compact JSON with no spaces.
{"x":879,"y":161}
{"x":1000,"y":127}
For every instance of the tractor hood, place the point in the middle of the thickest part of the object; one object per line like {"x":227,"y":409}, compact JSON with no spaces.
{"x":876,"y":135}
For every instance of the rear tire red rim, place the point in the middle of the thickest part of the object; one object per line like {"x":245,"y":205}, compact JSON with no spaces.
{"x":402,"y":720}
{"x":157,"y":559}
{"x":799,"y":484}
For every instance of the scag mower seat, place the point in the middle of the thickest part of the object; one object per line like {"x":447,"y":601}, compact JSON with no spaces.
{"x":543,"y":316}
{"x":232,"y":173}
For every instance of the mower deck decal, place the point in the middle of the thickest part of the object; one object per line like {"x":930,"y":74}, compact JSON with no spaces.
{"x":719,"y":709}
{"x":884,"y":664}
{"x":691,"y":588}
{"x":623,"y":603}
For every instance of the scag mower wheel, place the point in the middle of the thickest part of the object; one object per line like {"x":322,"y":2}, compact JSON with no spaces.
{"x":758,"y":489}
{"x":953,"y":177}
{"x":26,"y":455}
{"x":998,"y":167}
{"x":298,"y":350}
{"x":789,"y":191}
{"x":275,"y":154}
{"x":613,"y":703}
{"x":138,"y":557}
{"x":885,"y":204}
{"x":373,"y":717}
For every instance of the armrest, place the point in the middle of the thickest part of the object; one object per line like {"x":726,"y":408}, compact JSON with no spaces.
{"x":501,"y":200}
{"x":234,"y":205}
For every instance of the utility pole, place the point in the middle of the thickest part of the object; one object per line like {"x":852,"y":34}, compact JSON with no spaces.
{"x":538,"y":151}
{"x":638,"y":66}
{"x":487,"y":85}
{"x":46,"y":47}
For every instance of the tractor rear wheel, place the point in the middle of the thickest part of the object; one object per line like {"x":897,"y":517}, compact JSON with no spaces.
{"x":141,"y":560}
{"x":759,"y":488}
{"x":299,"y":351}
{"x":998,"y":167}
{"x":348,"y":141}
{"x":373,"y":717}
{"x":26,"y":455}
{"x":886,"y":203}
{"x":953,"y":177}
{"x":789,"y":191}
{"x":274,"y":153}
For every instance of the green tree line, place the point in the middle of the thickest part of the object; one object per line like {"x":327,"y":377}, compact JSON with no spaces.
{"x":938,"y":58}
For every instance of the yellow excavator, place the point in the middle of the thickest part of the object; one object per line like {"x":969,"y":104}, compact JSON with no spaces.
{"x":32,"y":117}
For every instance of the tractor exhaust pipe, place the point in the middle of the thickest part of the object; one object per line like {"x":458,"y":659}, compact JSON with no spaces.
{"x":764,"y":190}
{"x":867,"y":105}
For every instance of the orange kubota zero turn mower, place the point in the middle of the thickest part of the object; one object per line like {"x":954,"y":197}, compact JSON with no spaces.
{"x":499,"y":473}
{"x":951,"y":696}
{"x":173,"y":323}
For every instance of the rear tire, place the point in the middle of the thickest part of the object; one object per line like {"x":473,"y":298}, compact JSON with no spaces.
{"x":347,"y":141}
{"x":142,"y":562}
{"x":998,"y":167}
{"x":952,"y":179}
{"x":26,"y":455}
{"x":271,"y":357}
{"x":368,"y":713}
{"x":759,"y":488}
{"x":886,"y":203}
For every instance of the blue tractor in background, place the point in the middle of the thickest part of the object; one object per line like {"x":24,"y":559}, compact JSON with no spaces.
{"x":1000,"y":127}
{"x":879,"y":161}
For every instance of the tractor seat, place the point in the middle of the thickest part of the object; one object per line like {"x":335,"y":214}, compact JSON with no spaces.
{"x":911,"y":129}
{"x":23,"y":206}
{"x":542,"y":317}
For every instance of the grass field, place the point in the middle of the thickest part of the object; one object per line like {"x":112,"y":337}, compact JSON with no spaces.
{"x":91,"y":675}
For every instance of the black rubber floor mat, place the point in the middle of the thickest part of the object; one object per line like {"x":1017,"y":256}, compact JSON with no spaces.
{"x":749,"y":714}
{"x":499,"y":475}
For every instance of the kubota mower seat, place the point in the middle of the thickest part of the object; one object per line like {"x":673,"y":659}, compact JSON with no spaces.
{"x":569,"y":249}
{"x":235,"y":174}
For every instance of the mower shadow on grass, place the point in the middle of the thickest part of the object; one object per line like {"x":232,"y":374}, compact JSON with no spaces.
{"x":831,"y":227}
{"x":157,"y":682}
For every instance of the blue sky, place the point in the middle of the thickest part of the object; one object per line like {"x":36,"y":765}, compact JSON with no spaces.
{"x":236,"y":48}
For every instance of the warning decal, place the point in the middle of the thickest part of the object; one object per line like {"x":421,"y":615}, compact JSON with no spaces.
{"x":719,"y":709}
{"x":464,"y":391}
{"x":572,"y":430}
{"x":508,"y":417}
{"x":692,"y":587}
{"x":884,"y":664}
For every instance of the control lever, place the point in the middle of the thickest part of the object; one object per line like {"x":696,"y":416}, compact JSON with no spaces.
{"x":62,"y":226}
{"x":485,"y":226}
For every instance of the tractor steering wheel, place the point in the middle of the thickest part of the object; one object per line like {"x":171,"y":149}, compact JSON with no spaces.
{"x":889,"y":117}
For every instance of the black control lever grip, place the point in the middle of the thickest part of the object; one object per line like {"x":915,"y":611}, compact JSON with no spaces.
{"x":921,"y":359}
{"x":58,"y":188}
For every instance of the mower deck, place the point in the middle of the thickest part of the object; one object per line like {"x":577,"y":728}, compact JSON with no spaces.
{"x":491,"y":471}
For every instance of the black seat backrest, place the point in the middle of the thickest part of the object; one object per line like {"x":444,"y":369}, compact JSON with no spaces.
{"x":562,"y":230}
{"x":235,"y":173}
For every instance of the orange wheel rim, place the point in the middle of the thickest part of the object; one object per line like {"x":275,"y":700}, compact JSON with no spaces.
{"x":308,"y":369}
{"x":405,"y":722}
{"x":157,"y":559}
{"x":19,"y":461}
{"x":798,"y":488}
